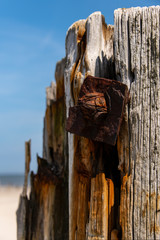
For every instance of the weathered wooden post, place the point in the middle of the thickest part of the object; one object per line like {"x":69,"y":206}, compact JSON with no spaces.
{"x":89,"y":51}
{"x":136,"y":38}
{"x":23,"y":209}
{"x":27,"y":166}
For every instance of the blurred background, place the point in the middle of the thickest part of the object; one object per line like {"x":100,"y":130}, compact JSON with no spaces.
{"x":32,"y":40}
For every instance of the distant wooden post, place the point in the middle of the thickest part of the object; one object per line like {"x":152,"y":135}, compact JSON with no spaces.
{"x":27,"y":166}
{"x":23,"y":208}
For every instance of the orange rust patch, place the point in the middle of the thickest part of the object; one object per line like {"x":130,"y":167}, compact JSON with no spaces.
{"x":81,"y":32}
{"x":153,"y":194}
{"x":124,"y":181}
{"x":76,"y":71}
{"x":107,"y":30}
{"x":157,"y":228}
{"x":77,"y":84}
{"x":158,"y":203}
{"x":111,"y":192}
{"x":152,"y":228}
{"x":72,"y":73}
{"x":111,"y":199}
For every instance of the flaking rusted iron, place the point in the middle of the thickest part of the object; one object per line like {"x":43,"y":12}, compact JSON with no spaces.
{"x":99,"y":111}
{"x":94,"y":106}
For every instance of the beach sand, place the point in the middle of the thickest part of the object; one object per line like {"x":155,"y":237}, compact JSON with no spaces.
{"x":9,"y":199}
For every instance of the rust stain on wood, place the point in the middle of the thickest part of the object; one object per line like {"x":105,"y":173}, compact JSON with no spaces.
{"x":107,"y":30}
{"x":101,"y":101}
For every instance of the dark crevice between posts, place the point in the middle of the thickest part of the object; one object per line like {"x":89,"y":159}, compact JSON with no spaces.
{"x":107,"y":163}
{"x":112,"y":172}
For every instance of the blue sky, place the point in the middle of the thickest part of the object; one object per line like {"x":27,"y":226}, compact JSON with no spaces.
{"x":32,"y":40}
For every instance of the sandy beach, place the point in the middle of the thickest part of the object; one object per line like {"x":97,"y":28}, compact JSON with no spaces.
{"x":9,"y":199}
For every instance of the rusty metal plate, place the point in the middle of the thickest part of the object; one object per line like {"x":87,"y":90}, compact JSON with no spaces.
{"x":99,"y":112}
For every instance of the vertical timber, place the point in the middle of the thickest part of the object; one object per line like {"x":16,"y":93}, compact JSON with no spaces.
{"x":81,"y":61}
{"x":23,"y":208}
{"x":136,"y":41}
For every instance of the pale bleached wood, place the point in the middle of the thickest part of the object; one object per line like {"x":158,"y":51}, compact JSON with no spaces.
{"x":138,"y":67}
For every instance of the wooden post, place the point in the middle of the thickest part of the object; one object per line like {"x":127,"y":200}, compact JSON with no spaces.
{"x":23,"y":208}
{"x":91,"y":53}
{"x":136,"y":38}
{"x":27,"y":166}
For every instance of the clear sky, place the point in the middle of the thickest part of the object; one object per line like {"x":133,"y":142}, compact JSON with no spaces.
{"x":32,"y":40}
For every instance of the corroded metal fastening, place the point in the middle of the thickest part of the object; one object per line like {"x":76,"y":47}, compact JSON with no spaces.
{"x":99,"y":112}
{"x":95,"y":106}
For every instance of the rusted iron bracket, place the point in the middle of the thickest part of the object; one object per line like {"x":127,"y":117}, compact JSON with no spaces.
{"x":99,"y":112}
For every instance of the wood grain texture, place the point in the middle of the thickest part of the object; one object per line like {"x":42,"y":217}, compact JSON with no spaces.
{"x":136,"y":40}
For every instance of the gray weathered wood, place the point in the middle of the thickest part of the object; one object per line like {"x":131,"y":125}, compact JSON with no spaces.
{"x":136,"y":39}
